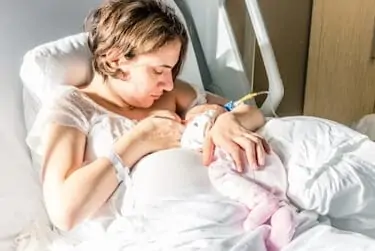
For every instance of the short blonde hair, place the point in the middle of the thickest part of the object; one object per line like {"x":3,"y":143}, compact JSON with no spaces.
{"x":132,"y":27}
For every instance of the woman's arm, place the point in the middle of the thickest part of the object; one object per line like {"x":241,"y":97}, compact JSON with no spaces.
{"x":73,"y":191}
{"x":249,"y":117}
{"x":232,"y":131}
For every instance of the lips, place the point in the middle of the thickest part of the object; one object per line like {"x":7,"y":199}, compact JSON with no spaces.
{"x":156,"y":96}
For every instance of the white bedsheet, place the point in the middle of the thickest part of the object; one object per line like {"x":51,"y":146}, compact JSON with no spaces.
{"x":331,"y":170}
{"x":126,"y":234}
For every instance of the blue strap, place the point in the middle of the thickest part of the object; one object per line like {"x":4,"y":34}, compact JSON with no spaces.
{"x":229,"y":106}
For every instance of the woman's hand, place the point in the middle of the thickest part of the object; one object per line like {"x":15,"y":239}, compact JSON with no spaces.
{"x":161,"y":130}
{"x":165,"y":114}
{"x":228,"y":134}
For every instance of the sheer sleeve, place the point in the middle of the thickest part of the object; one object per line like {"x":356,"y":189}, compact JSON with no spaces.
{"x":200,"y":98}
{"x":65,"y":109}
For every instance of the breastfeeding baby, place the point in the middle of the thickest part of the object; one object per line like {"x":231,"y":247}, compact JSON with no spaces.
{"x":263,"y":192}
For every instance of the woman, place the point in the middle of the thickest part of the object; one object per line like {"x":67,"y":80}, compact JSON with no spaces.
{"x":138,"y":48}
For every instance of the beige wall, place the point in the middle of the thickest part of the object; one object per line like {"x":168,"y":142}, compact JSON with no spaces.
{"x":340,"y":82}
{"x":288,"y":25}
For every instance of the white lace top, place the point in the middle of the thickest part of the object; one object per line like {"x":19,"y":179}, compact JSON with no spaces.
{"x":70,"y":107}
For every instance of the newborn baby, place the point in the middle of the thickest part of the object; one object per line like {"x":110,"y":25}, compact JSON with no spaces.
{"x":265,"y":205}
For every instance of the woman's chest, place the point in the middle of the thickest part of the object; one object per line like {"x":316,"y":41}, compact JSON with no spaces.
{"x":166,"y":103}
{"x":107,"y":127}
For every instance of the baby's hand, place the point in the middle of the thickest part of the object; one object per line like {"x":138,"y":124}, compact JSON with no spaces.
{"x":200,"y":109}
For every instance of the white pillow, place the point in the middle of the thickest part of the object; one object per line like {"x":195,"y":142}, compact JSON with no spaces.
{"x":44,"y":68}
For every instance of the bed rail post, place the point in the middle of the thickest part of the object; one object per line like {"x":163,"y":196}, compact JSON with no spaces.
{"x":276,"y":87}
{"x":213,"y":40}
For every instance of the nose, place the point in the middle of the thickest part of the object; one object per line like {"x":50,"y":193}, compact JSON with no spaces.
{"x":167,"y":81}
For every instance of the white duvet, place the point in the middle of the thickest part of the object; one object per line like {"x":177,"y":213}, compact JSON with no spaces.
{"x":330,"y":170}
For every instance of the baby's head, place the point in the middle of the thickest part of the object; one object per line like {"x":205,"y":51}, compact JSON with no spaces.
{"x":216,"y":110}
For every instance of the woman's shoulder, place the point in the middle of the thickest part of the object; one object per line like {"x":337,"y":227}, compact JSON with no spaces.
{"x":64,"y":107}
{"x":188,"y":95}
{"x":68,"y":94}
{"x":67,"y":106}
{"x":71,"y":99}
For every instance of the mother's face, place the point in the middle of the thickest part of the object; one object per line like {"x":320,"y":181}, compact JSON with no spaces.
{"x":148,"y":76}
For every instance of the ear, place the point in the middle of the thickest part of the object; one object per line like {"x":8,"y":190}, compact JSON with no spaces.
{"x":117,"y":61}
{"x":113,"y":57}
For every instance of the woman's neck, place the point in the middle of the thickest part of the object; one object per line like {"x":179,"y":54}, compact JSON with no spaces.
{"x":99,"y":88}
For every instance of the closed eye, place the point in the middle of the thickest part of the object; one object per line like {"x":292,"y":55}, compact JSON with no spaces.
{"x":158,"y":72}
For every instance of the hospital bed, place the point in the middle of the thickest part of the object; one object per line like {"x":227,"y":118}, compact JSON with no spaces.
{"x":331,"y":169}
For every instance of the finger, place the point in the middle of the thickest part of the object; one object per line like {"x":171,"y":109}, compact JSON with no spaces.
{"x":266,"y":146}
{"x":177,"y":129}
{"x":166,"y":115}
{"x":259,"y":151}
{"x":250,"y":151}
{"x":208,"y":150}
{"x":170,"y":126}
{"x":169,"y":117}
{"x":175,"y":144}
{"x":177,"y":118}
{"x":235,"y":151}
{"x":260,"y":155}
